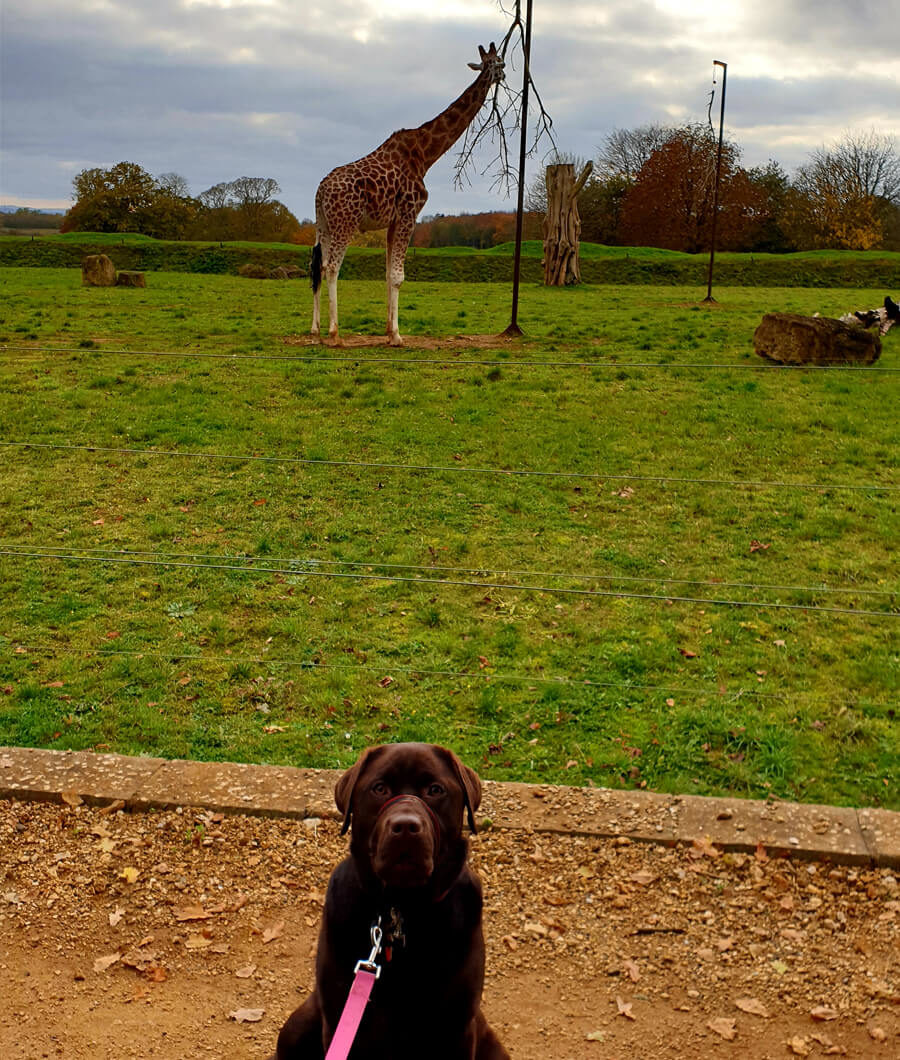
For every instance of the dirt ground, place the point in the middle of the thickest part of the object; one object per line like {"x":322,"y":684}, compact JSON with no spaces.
{"x":145,"y":935}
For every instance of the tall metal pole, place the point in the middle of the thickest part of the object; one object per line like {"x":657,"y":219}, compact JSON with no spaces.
{"x":715,"y":218}
{"x":514,"y":328}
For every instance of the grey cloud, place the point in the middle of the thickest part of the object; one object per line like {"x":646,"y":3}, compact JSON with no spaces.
{"x":166,"y":83}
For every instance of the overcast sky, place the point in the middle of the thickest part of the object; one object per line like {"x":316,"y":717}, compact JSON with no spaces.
{"x":216,"y":89}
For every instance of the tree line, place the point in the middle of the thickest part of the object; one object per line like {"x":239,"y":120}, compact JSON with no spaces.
{"x":654,"y":186}
{"x":651,"y":186}
{"x":126,"y":198}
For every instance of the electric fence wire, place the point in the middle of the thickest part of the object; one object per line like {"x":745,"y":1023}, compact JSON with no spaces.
{"x":761,"y":605}
{"x":301,"y":565}
{"x":374,"y":465}
{"x":344,"y":359}
{"x":485,"y":675}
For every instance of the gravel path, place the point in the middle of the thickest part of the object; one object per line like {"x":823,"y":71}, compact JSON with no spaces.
{"x":143,"y":935}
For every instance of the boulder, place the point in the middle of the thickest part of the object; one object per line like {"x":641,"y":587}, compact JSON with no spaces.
{"x":97,"y":270}
{"x":789,"y":338}
{"x":254,"y":272}
{"x":127,"y":278}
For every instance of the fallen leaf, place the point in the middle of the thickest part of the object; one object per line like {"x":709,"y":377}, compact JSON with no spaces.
{"x":197,"y":942}
{"x":624,"y":1008}
{"x":247,"y":1015}
{"x":116,"y":916}
{"x":595,"y":1036}
{"x":259,"y":502}
{"x":752,"y":1006}
{"x":246,"y":971}
{"x":688,"y":654}
{"x":757,"y":546}
{"x":670,"y":702}
{"x":71,"y":798}
{"x":724,"y":944}
{"x":385,"y":681}
{"x":270,"y":729}
{"x":156,"y":974}
{"x":799,"y":1046}
{"x":723,"y":1026}
{"x":189,"y":912}
{"x":102,"y":963}
{"x":140,"y":960}
{"x":779,"y":967}
{"x":273,"y":932}
{"x":129,"y":874}
{"x":631,"y":970}
{"x":824,"y":1012}
{"x":704,"y":847}
{"x":107,"y":845}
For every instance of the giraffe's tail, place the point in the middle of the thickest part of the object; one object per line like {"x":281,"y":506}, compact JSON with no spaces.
{"x":315,"y":267}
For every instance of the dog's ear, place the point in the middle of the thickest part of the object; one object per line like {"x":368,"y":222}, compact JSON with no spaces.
{"x":343,"y":791}
{"x":470,"y":783}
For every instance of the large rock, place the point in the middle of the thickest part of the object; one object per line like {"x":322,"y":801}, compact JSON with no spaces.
{"x":97,"y":270}
{"x":790,"y":338}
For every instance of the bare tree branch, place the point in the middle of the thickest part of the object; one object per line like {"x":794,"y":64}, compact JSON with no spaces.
{"x":503,"y":117}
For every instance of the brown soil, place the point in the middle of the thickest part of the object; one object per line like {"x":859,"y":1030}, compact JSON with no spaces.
{"x":415,"y":342}
{"x":651,"y":952}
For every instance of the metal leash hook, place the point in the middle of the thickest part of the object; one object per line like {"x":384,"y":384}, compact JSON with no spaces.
{"x":371,"y":964}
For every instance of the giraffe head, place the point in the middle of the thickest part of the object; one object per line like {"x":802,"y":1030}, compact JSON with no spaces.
{"x":491,"y":61}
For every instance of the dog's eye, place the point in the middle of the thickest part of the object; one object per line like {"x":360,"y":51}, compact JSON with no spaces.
{"x":380,"y":788}
{"x":435,"y":790}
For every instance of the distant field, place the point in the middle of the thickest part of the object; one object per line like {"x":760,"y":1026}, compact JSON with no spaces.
{"x":613,"y":620}
{"x":600,"y":264}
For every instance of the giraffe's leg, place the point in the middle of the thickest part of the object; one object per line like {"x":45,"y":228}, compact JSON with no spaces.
{"x":398,"y":237}
{"x":320,"y":253}
{"x":331,"y":267}
{"x":314,"y":330}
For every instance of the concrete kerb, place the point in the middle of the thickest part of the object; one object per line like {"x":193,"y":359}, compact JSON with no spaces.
{"x":836,"y":834}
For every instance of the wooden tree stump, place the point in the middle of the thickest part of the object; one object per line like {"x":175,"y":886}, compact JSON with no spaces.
{"x":129,"y":278}
{"x":562,"y":225}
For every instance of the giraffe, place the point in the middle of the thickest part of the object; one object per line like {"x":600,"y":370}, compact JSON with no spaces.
{"x":386,"y":189}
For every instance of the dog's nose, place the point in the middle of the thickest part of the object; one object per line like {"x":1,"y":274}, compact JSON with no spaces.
{"x":405,"y":824}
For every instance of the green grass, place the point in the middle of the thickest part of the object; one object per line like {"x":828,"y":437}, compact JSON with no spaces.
{"x":540,"y":684}
{"x":599,"y":264}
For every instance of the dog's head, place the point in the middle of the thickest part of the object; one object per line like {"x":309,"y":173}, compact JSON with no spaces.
{"x":405,"y":803}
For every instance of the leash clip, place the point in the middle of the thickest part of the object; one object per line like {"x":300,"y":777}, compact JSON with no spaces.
{"x":371,"y":964}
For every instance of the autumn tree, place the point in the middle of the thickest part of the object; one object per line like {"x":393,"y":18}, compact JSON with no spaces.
{"x":670,"y":204}
{"x":110,"y":200}
{"x":245,"y":208}
{"x":126,"y":198}
{"x":624,"y":152}
{"x":845,"y":194}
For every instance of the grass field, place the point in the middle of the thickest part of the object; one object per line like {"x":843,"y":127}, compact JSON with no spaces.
{"x":621,"y":665}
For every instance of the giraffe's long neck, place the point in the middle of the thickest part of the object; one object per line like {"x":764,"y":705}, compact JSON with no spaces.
{"x":437,"y":136}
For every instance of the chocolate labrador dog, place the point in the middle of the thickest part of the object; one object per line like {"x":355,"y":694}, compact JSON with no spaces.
{"x":407,"y":871}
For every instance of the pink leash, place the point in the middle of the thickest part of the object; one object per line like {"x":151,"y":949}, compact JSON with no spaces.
{"x":365,"y":974}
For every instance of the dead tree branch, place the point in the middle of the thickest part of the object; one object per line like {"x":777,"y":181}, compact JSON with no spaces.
{"x":496,"y":124}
